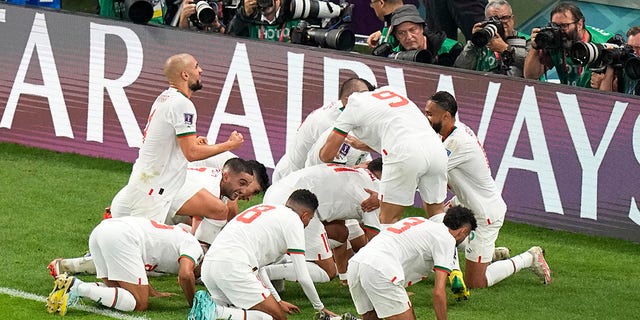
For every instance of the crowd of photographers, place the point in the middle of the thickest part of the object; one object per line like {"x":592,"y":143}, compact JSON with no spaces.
{"x":581,"y":55}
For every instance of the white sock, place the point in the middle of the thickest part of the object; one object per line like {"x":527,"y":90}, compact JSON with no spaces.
{"x":499,"y":270}
{"x":116,"y":298}
{"x":78,"y":265}
{"x":287,"y":272}
{"x":230,"y":313}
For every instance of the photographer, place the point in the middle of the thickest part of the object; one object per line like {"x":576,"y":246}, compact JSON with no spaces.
{"x":633,"y":40}
{"x":495,"y":45}
{"x":550,"y":46}
{"x":273,"y":19}
{"x":416,"y":42}
{"x":204,"y":15}
{"x":384,"y":9}
{"x":614,"y":65}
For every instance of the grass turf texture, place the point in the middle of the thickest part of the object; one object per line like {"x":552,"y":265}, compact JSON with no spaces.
{"x":49,"y":203}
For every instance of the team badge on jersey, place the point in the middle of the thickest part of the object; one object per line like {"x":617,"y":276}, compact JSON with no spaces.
{"x":188,"y":118}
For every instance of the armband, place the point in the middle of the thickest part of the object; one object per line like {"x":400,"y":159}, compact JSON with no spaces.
{"x":342,"y":276}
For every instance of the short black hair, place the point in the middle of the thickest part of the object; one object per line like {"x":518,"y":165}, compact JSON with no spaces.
{"x":238,"y":165}
{"x":260,"y":174}
{"x":446,"y":101}
{"x":352,"y":85}
{"x":567,"y":6}
{"x":459,"y":216}
{"x":375,"y":165}
{"x":305,"y":198}
{"x":633,"y":31}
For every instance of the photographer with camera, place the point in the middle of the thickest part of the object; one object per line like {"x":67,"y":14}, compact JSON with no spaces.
{"x":203,"y":15}
{"x":384,"y":9}
{"x":273,"y":20}
{"x":550,"y":46}
{"x":633,"y":40}
{"x":416,"y":42}
{"x":495,"y":45}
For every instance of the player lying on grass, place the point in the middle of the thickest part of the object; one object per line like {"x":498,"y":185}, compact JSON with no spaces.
{"x":123,"y":250}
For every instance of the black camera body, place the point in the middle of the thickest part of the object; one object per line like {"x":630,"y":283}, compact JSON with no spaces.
{"x":136,"y":11}
{"x":599,"y":55}
{"x":489,"y":30}
{"x":550,"y":37}
{"x":206,"y":12}
{"x":338,"y":38}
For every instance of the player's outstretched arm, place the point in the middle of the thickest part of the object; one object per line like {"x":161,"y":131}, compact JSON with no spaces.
{"x":186,"y":278}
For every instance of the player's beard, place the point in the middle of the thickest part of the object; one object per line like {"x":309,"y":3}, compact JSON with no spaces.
{"x":437,"y":126}
{"x":195,"y":86}
{"x":572,"y":35}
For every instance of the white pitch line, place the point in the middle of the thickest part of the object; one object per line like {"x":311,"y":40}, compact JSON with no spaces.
{"x":103,"y":312}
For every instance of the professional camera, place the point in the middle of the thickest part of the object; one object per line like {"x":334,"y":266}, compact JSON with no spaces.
{"x":339,"y":38}
{"x":136,"y":11}
{"x":422,"y":56}
{"x":598,"y":56}
{"x":489,"y":30}
{"x":550,"y":37}
{"x":205,"y":13}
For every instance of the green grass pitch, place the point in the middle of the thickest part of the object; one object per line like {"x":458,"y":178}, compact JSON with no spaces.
{"x":49,"y":203}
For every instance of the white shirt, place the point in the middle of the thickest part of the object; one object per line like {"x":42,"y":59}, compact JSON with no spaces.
{"x":161,"y":245}
{"x":160,"y":168}
{"x":469,"y":175}
{"x":409,"y":250}
{"x":347,"y":154}
{"x":311,"y":128}
{"x":339,"y":189}
{"x":386,"y":121}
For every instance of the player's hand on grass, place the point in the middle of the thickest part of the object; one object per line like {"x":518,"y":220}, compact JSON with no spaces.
{"x":325,"y":310}
{"x":289,"y":308}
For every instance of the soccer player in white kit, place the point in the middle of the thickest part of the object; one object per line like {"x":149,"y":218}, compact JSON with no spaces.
{"x":412,"y":152}
{"x":124,"y":249}
{"x":470,"y":180}
{"x":232,"y":269}
{"x":401,"y":255}
{"x":169,"y":142}
{"x":340,"y":190}
{"x":313,"y":126}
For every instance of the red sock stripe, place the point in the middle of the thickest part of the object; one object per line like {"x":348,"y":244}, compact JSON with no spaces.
{"x":115,"y":298}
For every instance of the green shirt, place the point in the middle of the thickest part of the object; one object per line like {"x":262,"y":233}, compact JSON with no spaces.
{"x":573,"y":73}
{"x":278,"y":32}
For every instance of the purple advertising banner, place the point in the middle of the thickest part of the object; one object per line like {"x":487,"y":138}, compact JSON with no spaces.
{"x":565,"y":158}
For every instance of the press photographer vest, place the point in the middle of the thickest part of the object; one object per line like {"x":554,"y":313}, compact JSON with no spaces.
{"x":276,"y":32}
{"x":572,"y":73}
{"x":487,"y":60}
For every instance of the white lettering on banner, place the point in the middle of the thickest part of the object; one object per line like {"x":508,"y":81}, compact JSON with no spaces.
{"x":294,"y":95}
{"x":541,"y":162}
{"x":50,"y":89}
{"x":252,"y":118}
{"x":395,"y":78}
{"x":634,"y":213}
{"x":98,"y":83}
{"x":332,"y":69}
{"x":589,"y":161}
{"x":445,"y":83}
{"x":487,"y":111}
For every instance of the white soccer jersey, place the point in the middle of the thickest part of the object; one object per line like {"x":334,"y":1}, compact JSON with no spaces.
{"x":469,"y":175}
{"x":310,"y":129}
{"x":347,"y":155}
{"x":409,"y":250}
{"x":160,"y":245}
{"x":339,"y":189}
{"x":386,"y":121}
{"x":259,"y":236}
{"x":160,"y":168}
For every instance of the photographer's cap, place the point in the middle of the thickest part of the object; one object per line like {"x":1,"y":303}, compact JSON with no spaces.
{"x":406,"y":13}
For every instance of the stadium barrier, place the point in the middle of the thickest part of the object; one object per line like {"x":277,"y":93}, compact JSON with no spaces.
{"x":566,"y":158}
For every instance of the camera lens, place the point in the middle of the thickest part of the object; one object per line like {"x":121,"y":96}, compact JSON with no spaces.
{"x":422,"y":56}
{"x":139,"y":11}
{"x":341,"y":39}
{"x":584,"y":52}
{"x":481,"y":37}
{"x":205,"y":13}
{"x":632,"y":68}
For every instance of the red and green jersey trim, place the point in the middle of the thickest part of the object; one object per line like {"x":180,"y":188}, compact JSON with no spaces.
{"x":295,"y":251}
{"x":195,"y":263}
{"x":374,"y":229}
{"x":185,"y":134}
{"x":441,"y":268}
{"x":340,"y":132}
